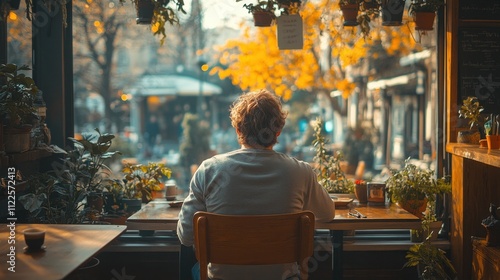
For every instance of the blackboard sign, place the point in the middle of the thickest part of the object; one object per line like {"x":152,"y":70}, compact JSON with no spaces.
{"x":479,"y":9}
{"x":479,"y":66}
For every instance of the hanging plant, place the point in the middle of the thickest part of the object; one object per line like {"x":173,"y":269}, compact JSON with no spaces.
{"x":392,"y":12}
{"x":424,"y":12}
{"x":262,"y":12}
{"x":162,"y":13}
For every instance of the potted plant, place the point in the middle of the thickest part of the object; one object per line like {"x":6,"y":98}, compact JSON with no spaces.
{"x":392,"y":12}
{"x":424,"y":12}
{"x":360,"y":191}
{"x":350,"y":9}
{"x":67,"y":193}
{"x":471,"y":109}
{"x":414,"y":188}
{"x":492,"y":226}
{"x":431,"y":262}
{"x":262,"y":12}
{"x":17,"y":109}
{"x":327,"y":166}
{"x":142,"y":180}
{"x":157,"y":13}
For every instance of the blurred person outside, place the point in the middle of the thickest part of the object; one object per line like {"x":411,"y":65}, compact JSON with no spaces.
{"x":151,"y":134}
{"x":253,"y":180}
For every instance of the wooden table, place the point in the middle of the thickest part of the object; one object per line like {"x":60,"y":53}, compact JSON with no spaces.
{"x":67,"y":247}
{"x":158,"y":215}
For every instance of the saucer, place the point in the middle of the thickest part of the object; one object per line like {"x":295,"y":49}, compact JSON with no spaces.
{"x":27,"y":249}
{"x":170,"y":198}
{"x":175,"y":204}
{"x":342,"y":202}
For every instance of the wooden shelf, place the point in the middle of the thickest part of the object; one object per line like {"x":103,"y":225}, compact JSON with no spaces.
{"x":28,"y":162}
{"x":473,"y":152}
{"x":475,"y":172}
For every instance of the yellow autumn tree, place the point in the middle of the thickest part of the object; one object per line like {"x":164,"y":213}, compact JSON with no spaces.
{"x":330,"y":52}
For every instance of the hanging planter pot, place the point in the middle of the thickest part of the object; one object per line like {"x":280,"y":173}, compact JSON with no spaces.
{"x":14,"y":4}
{"x":144,"y":9}
{"x":392,"y":12}
{"x":263,"y":18}
{"x":350,"y":12}
{"x":424,"y":20}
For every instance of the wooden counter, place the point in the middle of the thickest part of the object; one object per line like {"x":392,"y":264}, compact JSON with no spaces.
{"x":475,"y":184}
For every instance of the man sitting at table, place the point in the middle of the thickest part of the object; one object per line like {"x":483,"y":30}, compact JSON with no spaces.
{"x":254,"y":180}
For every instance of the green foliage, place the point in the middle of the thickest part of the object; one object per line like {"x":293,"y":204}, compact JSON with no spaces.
{"x":471,"y":110}
{"x":327,"y":166}
{"x":425,"y":6}
{"x":349,"y":2}
{"x":17,"y":96}
{"x":58,"y":196}
{"x":162,"y":13}
{"x":432,"y":261}
{"x":139,"y":179}
{"x":414,"y":183}
{"x":285,"y":6}
{"x":195,"y":143}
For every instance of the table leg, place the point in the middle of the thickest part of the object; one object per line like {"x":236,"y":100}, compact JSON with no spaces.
{"x":187,"y":259}
{"x":337,"y":239}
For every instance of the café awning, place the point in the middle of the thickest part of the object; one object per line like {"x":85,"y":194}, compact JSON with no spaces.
{"x":175,"y":85}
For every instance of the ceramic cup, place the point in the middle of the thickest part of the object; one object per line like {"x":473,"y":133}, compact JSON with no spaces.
{"x":34,"y":238}
{"x":170,"y":190}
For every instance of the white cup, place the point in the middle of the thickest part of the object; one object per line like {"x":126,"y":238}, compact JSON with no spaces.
{"x":170,"y":190}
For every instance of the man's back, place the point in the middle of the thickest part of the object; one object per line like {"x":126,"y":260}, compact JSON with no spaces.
{"x":254,"y":182}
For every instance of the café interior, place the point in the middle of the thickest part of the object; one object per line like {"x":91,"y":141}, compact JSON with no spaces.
{"x":366,"y":240}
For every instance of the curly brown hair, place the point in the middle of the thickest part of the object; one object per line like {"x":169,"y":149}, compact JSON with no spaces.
{"x":258,"y":117}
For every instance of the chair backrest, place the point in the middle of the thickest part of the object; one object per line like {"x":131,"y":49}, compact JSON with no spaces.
{"x":253,"y":240}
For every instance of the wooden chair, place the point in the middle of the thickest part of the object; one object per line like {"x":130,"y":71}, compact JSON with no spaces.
{"x":253,"y":240}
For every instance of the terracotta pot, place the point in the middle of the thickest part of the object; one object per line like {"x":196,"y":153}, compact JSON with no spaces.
{"x":424,"y":20}
{"x":95,"y":202}
{"x":415,"y":207}
{"x":17,"y":140}
{"x":350,"y":12}
{"x":493,"y":142}
{"x":392,"y":12}
{"x":263,"y":18}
